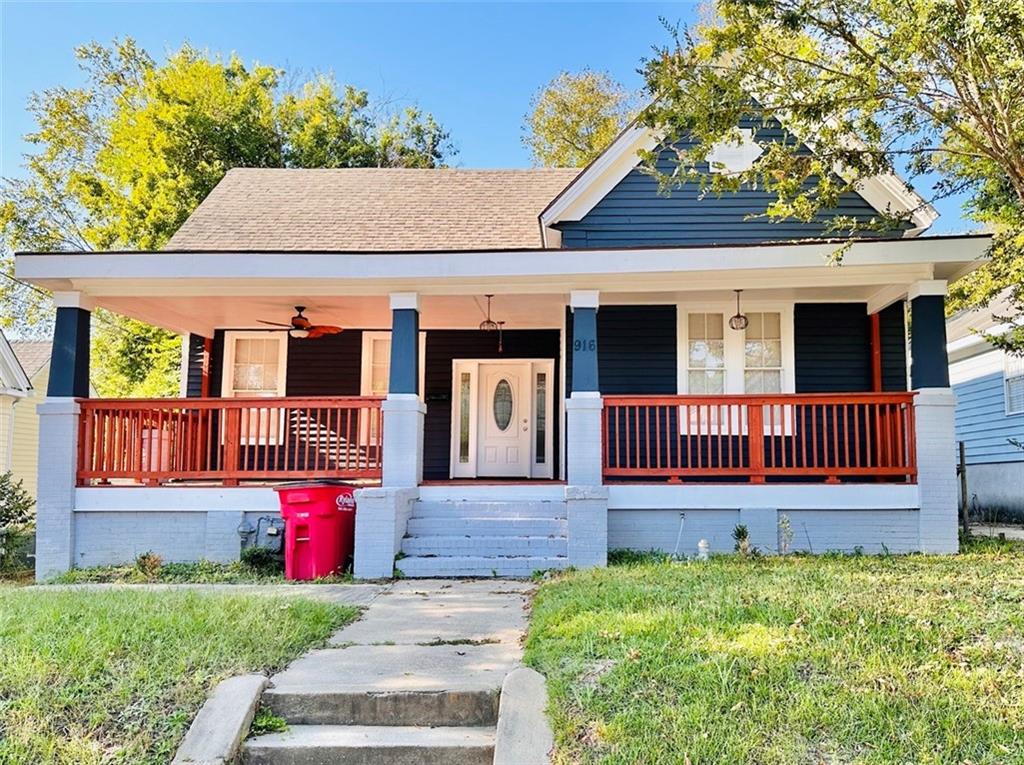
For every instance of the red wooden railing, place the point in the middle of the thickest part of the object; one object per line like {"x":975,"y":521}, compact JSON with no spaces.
{"x":229,"y":439}
{"x":761,"y":437}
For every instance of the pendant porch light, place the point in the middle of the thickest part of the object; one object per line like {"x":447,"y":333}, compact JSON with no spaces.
{"x":739,"y":320}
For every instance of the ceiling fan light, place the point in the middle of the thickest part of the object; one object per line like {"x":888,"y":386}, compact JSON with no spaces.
{"x":298,"y":334}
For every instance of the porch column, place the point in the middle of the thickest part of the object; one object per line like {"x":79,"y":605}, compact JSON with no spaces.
{"x":58,"y":435}
{"x":384,"y":512}
{"x":933,"y":418}
{"x":586,"y":497}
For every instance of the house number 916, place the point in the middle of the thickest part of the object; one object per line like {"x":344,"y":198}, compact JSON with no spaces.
{"x":585,"y":345}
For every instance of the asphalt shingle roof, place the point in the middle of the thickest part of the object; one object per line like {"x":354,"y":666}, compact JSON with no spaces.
{"x":32,"y":355}
{"x":372,"y":209}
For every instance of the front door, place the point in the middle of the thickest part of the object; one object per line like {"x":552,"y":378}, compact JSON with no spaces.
{"x":502,"y":418}
{"x":503,"y":443}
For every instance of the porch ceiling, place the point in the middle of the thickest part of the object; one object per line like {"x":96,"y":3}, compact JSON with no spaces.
{"x":198,"y":292}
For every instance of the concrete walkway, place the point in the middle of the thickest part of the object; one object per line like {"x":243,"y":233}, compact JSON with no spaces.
{"x":416,"y":679}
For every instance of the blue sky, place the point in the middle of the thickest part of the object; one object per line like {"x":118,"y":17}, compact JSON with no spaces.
{"x":474,"y":66}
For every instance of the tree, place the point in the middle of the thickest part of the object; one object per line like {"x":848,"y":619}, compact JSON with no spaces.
{"x":122,"y":161}
{"x":574,"y":117}
{"x":922,"y":86}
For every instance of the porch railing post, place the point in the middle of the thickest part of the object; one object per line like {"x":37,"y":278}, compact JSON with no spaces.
{"x":755,"y":441}
{"x":586,"y":496}
{"x":59,"y":448}
{"x":232,"y":445}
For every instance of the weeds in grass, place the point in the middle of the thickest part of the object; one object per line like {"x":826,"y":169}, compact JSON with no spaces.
{"x":265,"y":721}
{"x":200,"y":572}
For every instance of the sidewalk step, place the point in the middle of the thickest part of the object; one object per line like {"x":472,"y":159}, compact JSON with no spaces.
{"x":368,"y":745}
{"x":482,"y":509}
{"x":544,"y":546}
{"x":456,"y":566}
{"x":497,"y":526}
{"x":389,"y":685}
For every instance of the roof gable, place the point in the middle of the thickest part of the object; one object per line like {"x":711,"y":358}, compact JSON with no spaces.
{"x":13,"y":380}
{"x":33,"y":355}
{"x":621,"y":159}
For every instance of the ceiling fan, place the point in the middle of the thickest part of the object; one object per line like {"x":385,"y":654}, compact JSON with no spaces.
{"x":300,"y":327}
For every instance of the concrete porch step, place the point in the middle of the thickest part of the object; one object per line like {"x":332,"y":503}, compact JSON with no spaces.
{"x":486,"y":509}
{"x":486,"y":546}
{"x":389,"y":685}
{"x":487,"y":526}
{"x":368,"y":745}
{"x":457,"y":565}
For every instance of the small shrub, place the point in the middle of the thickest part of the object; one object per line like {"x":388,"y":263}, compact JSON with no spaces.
{"x":261,"y":560}
{"x":741,"y":536}
{"x":15,"y":502}
{"x":148,"y":564}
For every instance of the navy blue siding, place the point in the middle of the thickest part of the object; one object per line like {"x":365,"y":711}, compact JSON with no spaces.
{"x":892,"y":331}
{"x":636,"y":349}
{"x":194,"y":373}
{"x":443,"y":347}
{"x":634,"y":213}
{"x":832,"y":344}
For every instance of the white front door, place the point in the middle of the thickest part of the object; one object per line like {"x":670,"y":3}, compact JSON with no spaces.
{"x":504,"y":420}
{"x":502,"y":424}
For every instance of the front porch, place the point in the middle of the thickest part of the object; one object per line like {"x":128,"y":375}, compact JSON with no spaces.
{"x":628,"y":413}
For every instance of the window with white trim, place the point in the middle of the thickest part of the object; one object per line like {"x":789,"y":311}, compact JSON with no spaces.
{"x":762,"y":353}
{"x":1013,"y":381}
{"x":705,"y":353}
{"x":376,"y":363}
{"x":256,"y":366}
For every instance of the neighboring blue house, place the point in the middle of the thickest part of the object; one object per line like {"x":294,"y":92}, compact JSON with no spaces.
{"x":536,"y":366}
{"x":989,"y":388}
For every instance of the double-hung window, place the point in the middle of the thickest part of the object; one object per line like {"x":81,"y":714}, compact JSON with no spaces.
{"x":721,"y":360}
{"x":1013,"y":384}
{"x":762,"y":353}
{"x":255,"y":366}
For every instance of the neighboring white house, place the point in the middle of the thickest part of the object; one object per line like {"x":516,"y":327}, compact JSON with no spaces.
{"x":15,"y":388}
{"x":989,"y":388}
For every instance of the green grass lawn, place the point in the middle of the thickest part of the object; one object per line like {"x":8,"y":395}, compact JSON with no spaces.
{"x":116,"y":677}
{"x":203,"y":572}
{"x":798,"y":660}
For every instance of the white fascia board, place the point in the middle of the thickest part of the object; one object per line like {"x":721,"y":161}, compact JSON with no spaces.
{"x":600,"y":176}
{"x":890,"y":192}
{"x":12,"y":375}
{"x":433,"y":272}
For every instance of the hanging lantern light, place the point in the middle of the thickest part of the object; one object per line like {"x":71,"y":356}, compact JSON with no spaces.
{"x":488,"y":324}
{"x":739,"y":321}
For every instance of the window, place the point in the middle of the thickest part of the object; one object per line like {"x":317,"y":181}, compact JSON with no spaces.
{"x":256,"y":366}
{"x":705,"y":356}
{"x":376,"y":365}
{"x":1013,"y":376}
{"x":762,"y":353}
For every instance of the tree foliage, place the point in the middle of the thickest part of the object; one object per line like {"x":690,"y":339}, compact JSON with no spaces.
{"x":574,"y":117}
{"x":121,"y":162}
{"x":922,"y":86}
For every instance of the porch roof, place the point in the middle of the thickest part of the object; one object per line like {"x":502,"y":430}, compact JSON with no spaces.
{"x":199,"y":291}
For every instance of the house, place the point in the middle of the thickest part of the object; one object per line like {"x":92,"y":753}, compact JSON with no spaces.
{"x":34,"y":357}
{"x":536,"y":366}
{"x":15,"y":387}
{"x":989,"y":388}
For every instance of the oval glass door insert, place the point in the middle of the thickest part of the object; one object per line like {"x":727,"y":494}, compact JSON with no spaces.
{"x":503,"y":404}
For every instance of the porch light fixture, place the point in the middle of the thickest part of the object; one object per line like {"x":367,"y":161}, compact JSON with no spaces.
{"x":488,"y":324}
{"x":739,"y":321}
{"x":298,"y":334}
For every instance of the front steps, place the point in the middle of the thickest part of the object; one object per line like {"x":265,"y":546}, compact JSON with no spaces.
{"x":469,"y":538}
{"x":416,"y":681}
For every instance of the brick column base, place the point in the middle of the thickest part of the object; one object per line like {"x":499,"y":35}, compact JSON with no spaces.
{"x":936,"y":470}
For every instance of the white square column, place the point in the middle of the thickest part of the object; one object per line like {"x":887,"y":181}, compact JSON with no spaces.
{"x":55,"y":500}
{"x":937,"y":486}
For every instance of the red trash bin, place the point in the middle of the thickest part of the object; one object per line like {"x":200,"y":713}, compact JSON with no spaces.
{"x":319,"y":528}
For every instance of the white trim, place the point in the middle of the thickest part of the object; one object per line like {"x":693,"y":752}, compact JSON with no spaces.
{"x":861,"y":496}
{"x":563,"y":395}
{"x":230,"y":336}
{"x":886,"y":296}
{"x":598,"y":178}
{"x":13,"y":378}
{"x":72,"y":299}
{"x":175,"y":499}
{"x":927,"y":287}
{"x":886,"y":192}
{"x":501,"y":491}
{"x":469,"y":469}
{"x":584,"y":299}
{"x":404,"y":301}
{"x":1018,"y":375}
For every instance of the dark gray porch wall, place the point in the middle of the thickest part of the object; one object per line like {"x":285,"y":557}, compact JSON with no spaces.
{"x":929,"y":362}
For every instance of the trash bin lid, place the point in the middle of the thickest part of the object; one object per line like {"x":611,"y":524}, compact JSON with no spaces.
{"x":315,"y":484}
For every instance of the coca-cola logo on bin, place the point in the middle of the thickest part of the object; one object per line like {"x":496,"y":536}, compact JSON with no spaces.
{"x":345,"y":501}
